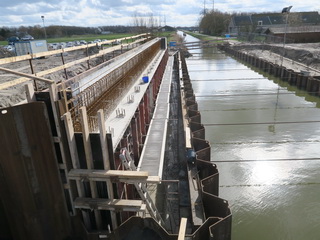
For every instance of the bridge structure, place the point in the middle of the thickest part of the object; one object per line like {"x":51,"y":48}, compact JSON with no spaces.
{"x":202,"y":44}
{"x":116,"y":152}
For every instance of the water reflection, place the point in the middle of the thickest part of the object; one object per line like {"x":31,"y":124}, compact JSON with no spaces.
{"x":265,"y":137}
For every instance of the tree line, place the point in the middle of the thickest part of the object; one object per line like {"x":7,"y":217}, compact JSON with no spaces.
{"x":56,"y":31}
{"x":140,"y":23}
{"x":215,"y":22}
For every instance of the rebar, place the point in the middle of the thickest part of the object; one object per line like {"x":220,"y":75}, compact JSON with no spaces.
{"x":105,"y":93}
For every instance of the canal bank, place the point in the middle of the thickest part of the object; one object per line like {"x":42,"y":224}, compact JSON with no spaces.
{"x":296,"y":74}
{"x":264,"y":139}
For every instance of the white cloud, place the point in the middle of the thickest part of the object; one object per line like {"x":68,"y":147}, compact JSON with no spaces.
{"x":115,"y":12}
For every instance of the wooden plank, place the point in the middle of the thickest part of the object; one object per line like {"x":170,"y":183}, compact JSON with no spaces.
{"x":15,"y":59}
{"x":89,"y":159}
{"x":103,"y":175}
{"x":71,"y":140}
{"x":75,"y":160}
{"x":85,"y":137}
{"x":106,"y":161}
{"x":19,"y":80}
{"x":110,"y":204}
{"x":30,"y":183}
{"x":58,"y":51}
{"x":103,"y":140}
{"x":43,"y":73}
{"x":153,"y":179}
{"x":57,"y":139}
{"x":27,"y":77}
{"x":182,"y":229}
{"x":30,"y":93}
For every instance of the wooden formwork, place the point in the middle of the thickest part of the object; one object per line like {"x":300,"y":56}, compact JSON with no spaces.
{"x":61,"y":52}
{"x":95,"y":200}
{"x":30,"y":185}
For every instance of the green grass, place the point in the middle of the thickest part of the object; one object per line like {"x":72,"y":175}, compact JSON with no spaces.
{"x":89,"y":37}
{"x":200,"y":36}
{"x":168,"y":35}
{"x":84,"y":37}
{"x":206,"y":37}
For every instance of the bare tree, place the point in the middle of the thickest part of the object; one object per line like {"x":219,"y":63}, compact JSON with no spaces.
{"x":144,"y":22}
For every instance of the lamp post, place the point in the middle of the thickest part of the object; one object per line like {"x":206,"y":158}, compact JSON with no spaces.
{"x":44,"y":28}
{"x":286,"y":11}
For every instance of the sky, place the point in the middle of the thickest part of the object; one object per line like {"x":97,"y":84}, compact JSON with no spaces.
{"x":93,"y":13}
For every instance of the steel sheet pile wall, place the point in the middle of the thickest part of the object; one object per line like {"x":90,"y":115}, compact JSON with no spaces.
{"x":217,"y":212}
{"x":308,"y":83}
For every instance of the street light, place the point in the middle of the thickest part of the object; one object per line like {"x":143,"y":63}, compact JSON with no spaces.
{"x":286,"y":11}
{"x":44,"y":28}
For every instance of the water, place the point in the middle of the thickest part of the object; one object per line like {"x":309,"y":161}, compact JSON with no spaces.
{"x":265,"y":145}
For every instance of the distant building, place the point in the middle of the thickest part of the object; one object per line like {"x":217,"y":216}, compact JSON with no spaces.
{"x":166,"y":29}
{"x":299,"y":34}
{"x":261,"y":22}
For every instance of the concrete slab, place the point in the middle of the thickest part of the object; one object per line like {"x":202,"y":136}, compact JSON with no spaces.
{"x":116,"y":124}
{"x":152,"y":155}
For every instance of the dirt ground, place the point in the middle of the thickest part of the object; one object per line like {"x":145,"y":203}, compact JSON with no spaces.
{"x":298,"y":57}
{"x":16,"y":94}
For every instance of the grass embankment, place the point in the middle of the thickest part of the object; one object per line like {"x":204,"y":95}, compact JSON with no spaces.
{"x":204,"y":37}
{"x":200,"y":36}
{"x":169,"y":35}
{"x":89,"y":37}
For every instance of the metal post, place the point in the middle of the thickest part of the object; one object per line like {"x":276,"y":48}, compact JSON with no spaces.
{"x":286,"y":10}
{"x":44,"y":28}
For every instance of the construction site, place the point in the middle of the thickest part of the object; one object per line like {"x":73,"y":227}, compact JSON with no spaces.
{"x":117,"y":151}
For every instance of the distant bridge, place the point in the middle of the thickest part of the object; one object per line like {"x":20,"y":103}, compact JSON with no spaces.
{"x":202,"y":43}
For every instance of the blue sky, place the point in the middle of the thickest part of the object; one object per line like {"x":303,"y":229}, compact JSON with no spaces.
{"x":120,"y":12}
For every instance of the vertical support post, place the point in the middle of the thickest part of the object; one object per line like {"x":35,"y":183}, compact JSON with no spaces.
{"x":88,"y":61}
{"x":103,"y":60}
{"x":30,"y":93}
{"x":53,"y":99}
{"x":65,"y":70}
{"x":32,"y":71}
{"x":89,"y":159}
{"x":75,"y":161}
{"x":106,"y":161}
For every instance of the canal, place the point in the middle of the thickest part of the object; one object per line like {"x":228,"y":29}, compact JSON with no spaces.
{"x":265,"y":140}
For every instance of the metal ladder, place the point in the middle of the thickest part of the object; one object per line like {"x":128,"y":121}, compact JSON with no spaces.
{"x":128,"y":163}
